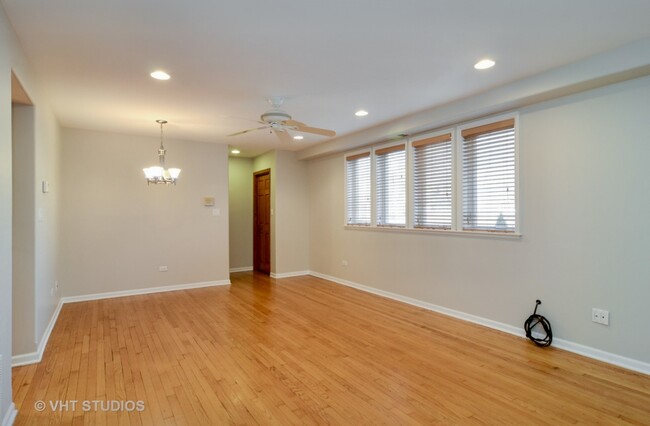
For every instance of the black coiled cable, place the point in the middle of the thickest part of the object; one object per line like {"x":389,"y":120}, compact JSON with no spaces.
{"x":533,"y":321}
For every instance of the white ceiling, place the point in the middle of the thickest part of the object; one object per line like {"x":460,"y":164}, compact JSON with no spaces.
{"x":329,"y":57}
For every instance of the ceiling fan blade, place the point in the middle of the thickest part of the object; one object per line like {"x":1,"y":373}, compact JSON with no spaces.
{"x":294,"y":123}
{"x":315,"y":130}
{"x":248,"y":130}
{"x":282,"y":135}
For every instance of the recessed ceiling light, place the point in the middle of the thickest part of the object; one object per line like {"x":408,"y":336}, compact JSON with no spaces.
{"x":160,"y":75}
{"x":361,"y":113}
{"x":299,"y":137}
{"x":484,"y":64}
{"x":235,"y":151}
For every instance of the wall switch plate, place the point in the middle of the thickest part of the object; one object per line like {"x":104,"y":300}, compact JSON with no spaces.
{"x":600,"y":316}
{"x":216,"y":212}
{"x":45,"y":187}
{"x":162,"y":268}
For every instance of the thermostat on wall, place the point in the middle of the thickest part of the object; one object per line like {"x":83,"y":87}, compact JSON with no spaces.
{"x":45,"y":186}
{"x":208,"y":201}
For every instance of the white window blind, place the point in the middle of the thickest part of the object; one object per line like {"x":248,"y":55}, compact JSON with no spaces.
{"x":391,"y":185}
{"x":488,"y":175}
{"x":358,"y":189}
{"x":432,"y":171}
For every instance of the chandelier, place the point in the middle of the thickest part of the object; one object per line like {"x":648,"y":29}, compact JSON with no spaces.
{"x":159,"y":174}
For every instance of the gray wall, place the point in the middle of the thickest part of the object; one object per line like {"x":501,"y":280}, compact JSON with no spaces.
{"x":45,"y":229}
{"x":291,"y":214}
{"x":24,"y":223}
{"x":240,"y":196}
{"x":117,"y":231}
{"x":586,"y":240}
{"x":6,"y":40}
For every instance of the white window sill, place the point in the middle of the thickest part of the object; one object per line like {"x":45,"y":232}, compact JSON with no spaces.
{"x":510,"y":235}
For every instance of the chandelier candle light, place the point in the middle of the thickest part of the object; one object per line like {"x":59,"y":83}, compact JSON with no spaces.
{"x":159,"y":174}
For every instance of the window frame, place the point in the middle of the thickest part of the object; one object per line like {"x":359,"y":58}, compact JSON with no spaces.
{"x":456,"y":179}
{"x":345,"y":188}
{"x":459,"y":173}
{"x":411,"y":176}
{"x":373,"y":173}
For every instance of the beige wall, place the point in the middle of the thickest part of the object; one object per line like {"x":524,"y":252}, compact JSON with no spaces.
{"x":6,"y":40}
{"x":291,"y":214}
{"x":240,"y":196}
{"x":46,"y":158}
{"x":24,"y":222}
{"x":586,"y":242}
{"x":117,"y":231}
{"x":47,"y":167}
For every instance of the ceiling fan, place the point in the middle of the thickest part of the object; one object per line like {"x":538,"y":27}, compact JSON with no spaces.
{"x":279,"y":122}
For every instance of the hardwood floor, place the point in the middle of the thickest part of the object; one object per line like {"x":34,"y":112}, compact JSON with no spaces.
{"x":307,"y":351}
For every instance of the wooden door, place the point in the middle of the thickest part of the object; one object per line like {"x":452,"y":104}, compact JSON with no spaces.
{"x":262,"y":221}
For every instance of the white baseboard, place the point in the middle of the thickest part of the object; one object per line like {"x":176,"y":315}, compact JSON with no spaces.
{"x":608,"y":357}
{"x":290,"y":274}
{"x":242,"y":269}
{"x":587,"y":351}
{"x":10,"y":415}
{"x":36,"y":357}
{"x":621,"y":361}
{"x":140,"y":291}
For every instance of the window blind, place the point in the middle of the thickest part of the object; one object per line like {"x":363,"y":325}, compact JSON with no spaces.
{"x":488,"y":175}
{"x":358,"y":189}
{"x":391,"y":185}
{"x":432,"y":171}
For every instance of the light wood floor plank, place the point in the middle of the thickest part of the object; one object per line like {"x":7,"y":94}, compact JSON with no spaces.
{"x":307,"y":351}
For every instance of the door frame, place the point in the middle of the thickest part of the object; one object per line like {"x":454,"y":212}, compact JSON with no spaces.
{"x":256,"y":260}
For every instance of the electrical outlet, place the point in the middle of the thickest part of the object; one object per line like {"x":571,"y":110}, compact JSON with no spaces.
{"x":600,"y":316}
{"x":56,"y":286}
{"x":162,"y":268}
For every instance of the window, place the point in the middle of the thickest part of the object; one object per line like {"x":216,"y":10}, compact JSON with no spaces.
{"x":432,"y":182}
{"x":391,"y":185}
{"x":358,"y":189}
{"x":462,"y":179}
{"x":488,"y":176}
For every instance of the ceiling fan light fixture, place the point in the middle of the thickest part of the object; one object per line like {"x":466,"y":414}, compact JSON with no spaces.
{"x":279,"y":122}
{"x":275,"y":116}
{"x":361,"y":113}
{"x":235,"y":151}
{"x":299,"y":137}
